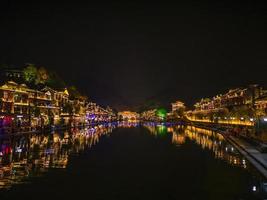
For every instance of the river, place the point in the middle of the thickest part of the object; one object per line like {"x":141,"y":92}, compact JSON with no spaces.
{"x":126,"y":161}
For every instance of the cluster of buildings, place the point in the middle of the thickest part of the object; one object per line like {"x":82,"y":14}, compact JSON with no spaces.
{"x":149,"y":115}
{"x":161,"y":114}
{"x":243,"y":106}
{"x":128,"y":116}
{"x":235,"y":97}
{"x":249,"y":102}
{"x":23,"y":108}
{"x":238,"y":106}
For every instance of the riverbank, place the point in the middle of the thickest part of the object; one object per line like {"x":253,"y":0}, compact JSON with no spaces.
{"x":49,"y":129}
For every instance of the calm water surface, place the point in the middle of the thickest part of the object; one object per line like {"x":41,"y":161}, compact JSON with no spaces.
{"x":126,"y":161}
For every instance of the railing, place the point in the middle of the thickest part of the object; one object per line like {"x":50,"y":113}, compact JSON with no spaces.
{"x":230,"y":122}
{"x":21,"y":103}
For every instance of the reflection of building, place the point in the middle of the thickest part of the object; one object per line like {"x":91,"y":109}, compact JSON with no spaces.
{"x":156,"y":129}
{"x":128,"y":115}
{"x":35,"y":154}
{"x":128,"y":124}
{"x":206,"y":139}
{"x":178,"y":139}
{"x":215,"y":142}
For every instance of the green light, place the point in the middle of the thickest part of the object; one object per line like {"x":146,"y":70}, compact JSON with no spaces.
{"x":161,"y":112}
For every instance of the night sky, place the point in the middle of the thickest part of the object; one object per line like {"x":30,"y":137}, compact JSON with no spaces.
{"x":123,"y":55}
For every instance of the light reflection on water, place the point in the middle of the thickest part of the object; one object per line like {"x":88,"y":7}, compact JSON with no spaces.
{"x":29,"y":156}
{"x":214,"y":142}
{"x":33,"y":155}
{"x":207,"y":139}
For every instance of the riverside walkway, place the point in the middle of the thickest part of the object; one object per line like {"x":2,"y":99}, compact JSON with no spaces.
{"x":251,"y":152}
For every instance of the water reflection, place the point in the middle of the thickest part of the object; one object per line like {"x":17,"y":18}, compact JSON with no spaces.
{"x":157,"y":129}
{"x":217,"y":145}
{"x":24,"y":157}
{"x":32,"y":155}
{"x":205,"y":138}
{"x":128,"y":124}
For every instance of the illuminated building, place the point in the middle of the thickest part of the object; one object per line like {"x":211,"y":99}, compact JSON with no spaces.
{"x":177,"y":106}
{"x":128,"y":115}
{"x":95,"y":113}
{"x":261,"y":105}
{"x":154,"y":115}
{"x":14,"y":104}
{"x":25,"y":108}
{"x":149,"y":115}
{"x":227,"y":108}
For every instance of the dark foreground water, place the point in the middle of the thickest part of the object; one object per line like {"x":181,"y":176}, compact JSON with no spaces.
{"x":131,"y":161}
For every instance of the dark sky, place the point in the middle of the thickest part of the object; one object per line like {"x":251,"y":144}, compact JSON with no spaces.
{"x":124,"y":54}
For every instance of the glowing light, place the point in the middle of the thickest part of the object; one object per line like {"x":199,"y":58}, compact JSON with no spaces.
{"x":254,"y":189}
{"x":162,"y":130}
{"x":18,"y":150}
{"x":66,"y":91}
{"x":161,"y":113}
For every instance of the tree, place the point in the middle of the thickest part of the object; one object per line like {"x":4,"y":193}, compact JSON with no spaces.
{"x":161,"y":113}
{"x":222,"y":112}
{"x":260,"y":113}
{"x":242,"y":111}
{"x":36,"y":111}
{"x":74,"y":93}
{"x":42,"y":76}
{"x":54,"y":81}
{"x":149,"y":105}
{"x":68,"y":108}
{"x":199,"y":115}
{"x":30,"y":73}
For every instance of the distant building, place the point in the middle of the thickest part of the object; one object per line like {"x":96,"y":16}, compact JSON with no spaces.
{"x":97,"y":114}
{"x":12,"y":75}
{"x":233,"y":98}
{"x":261,"y":104}
{"x":128,"y":115}
{"x":149,"y":115}
{"x":177,"y":106}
